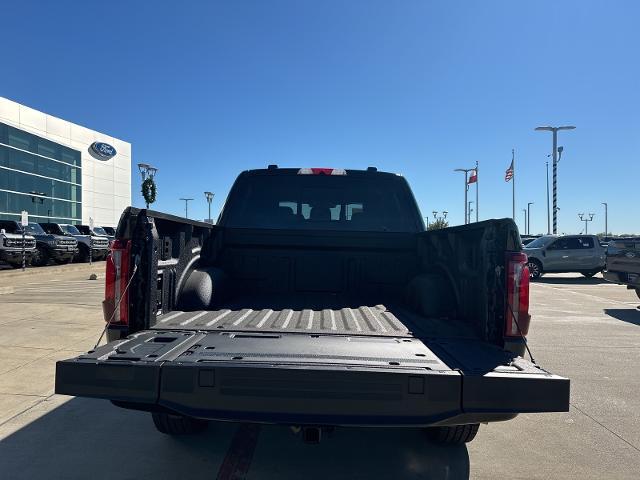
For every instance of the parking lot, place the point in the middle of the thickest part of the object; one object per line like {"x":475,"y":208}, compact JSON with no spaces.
{"x":585,"y":329}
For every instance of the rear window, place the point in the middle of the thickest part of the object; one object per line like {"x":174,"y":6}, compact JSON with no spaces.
{"x":322,"y":202}
{"x":585,"y":242}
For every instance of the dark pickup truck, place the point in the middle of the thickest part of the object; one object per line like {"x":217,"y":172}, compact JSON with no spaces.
{"x":623,"y":263}
{"x":317,"y":300}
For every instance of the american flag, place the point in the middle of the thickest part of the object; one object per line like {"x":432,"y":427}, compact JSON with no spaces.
{"x":508,"y":175}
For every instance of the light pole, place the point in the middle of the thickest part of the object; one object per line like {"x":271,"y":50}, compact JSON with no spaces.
{"x":606,"y":219}
{"x":586,"y":220}
{"x":186,"y":206}
{"x":209,"y":196}
{"x":525,"y":220}
{"x":466,"y":189}
{"x":436,"y":218}
{"x":529,"y":217}
{"x":548,"y":210}
{"x":554,"y":154}
{"x":470,"y":210}
{"x":149,"y":171}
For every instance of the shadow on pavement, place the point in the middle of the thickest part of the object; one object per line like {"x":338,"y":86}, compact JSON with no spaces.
{"x":629,"y":315}
{"x":85,"y":438}
{"x":579,"y":280}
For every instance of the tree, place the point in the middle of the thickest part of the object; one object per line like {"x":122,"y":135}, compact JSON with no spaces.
{"x":438,"y":224}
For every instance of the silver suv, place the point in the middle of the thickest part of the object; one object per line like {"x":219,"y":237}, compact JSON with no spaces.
{"x":568,"y":253}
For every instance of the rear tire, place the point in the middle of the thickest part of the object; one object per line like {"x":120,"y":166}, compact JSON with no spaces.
{"x":535,"y":269}
{"x":171,"y":424}
{"x":455,"y":435}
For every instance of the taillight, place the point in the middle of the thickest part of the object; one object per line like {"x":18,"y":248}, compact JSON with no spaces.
{"x":322,"y":171}
{"x":115,"y":306}
{"x":517,"y":316}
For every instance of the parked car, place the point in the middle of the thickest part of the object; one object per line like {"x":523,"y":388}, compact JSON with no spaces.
{"x":98,"y":246}
{"x":526,"y":240}
{"x":563,"y":254}
{"x":623,"y":263}
{"x":110,"y":231}
{"x":96,"y":232}
{"x":102,"y":232}
{"x":59,"y":248}
{"x":318,"y":299}
{"x":11,"y":244}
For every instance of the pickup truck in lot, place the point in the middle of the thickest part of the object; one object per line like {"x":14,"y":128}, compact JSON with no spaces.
{"x":317,"y":300}
{"x":623,"y":263}
{"x":565,"y":254}
{"x":11,"y":241}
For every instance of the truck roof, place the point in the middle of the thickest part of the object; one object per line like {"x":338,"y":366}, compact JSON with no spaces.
{"x":275,"y":170}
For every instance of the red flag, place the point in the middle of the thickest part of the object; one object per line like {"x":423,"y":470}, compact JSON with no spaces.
{"x":473,"y":176}
{"x":508,"y":175}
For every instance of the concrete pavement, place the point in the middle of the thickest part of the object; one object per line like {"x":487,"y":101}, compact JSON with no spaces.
{"x":586,"y":329}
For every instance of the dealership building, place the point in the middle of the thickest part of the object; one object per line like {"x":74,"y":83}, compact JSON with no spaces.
{"x":58,"y":171}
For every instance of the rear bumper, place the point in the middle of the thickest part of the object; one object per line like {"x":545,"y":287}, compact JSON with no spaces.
{"x":332,"y":393}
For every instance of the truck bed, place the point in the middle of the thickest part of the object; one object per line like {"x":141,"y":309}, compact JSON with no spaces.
{"x":371,"y":320}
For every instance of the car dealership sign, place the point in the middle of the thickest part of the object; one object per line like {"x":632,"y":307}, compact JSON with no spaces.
{"x":102,"y":151}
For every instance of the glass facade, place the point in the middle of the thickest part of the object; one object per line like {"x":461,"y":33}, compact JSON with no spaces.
{"x":39,"y":176}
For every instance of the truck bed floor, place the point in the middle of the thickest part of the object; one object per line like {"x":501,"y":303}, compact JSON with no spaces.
{"x":375,"y":320}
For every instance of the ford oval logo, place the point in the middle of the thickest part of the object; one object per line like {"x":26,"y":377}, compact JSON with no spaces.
{"x":102,"y":151}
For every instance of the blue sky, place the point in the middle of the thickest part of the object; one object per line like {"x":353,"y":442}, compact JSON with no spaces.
{"x":204,"y":90}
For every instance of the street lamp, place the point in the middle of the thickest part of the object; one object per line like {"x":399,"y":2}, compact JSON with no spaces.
{"x":606,"y":219}
{"x":554,"y":154}
{"x":186,"y":206}
{"x":466,"y":188}
{"x":525,"y":220}
{"x":209,"y":196}
{"x":586,"y":220}
{"x":529,"y":217}
{"x":469,"y":211}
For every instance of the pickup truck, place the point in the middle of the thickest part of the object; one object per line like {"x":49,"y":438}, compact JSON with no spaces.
{"x":565,"y":254}
{"x":623,"y":263}
{"x":317,"y":300}
{"x":11,"y":241}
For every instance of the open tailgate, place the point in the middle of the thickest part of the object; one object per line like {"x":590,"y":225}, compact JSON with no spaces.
{"x":311,"y":379}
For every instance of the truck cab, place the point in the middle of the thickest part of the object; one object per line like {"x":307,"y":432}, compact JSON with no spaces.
{"x":12,"y":244}
{"x":565,"y":254}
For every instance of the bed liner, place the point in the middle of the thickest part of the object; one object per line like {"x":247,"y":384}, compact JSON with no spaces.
{"x":374,"y":320}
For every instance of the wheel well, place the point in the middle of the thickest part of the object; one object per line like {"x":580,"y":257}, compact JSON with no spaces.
{"x":535,"y":260}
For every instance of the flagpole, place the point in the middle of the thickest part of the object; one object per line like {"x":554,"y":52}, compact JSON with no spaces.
{"x":513,"y":162}
{"x":477,"y":182}
{"x":466,"y":189}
